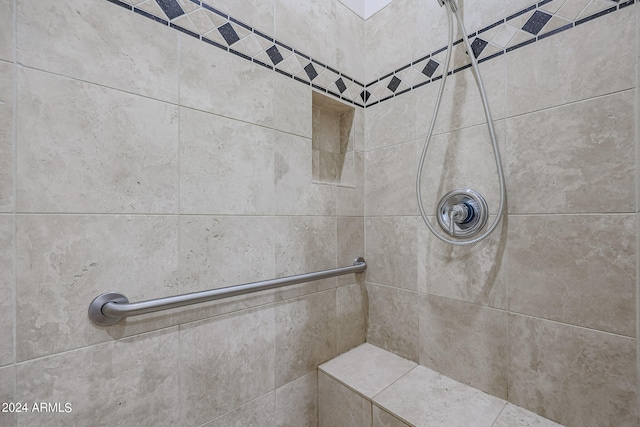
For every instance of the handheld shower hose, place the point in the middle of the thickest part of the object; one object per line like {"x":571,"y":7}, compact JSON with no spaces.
{"x":452,"y":10}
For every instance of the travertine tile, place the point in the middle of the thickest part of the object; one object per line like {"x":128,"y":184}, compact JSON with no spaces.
{"x":474,"y":274}
{"x":466,"y":342}
{"x":257,"y":13}
{"x":7,"y":134}
{"x":390,"y":177}
{"x":221,"y":83}
{"x":219,"y":251}
{"x":458,"y":160}
{"x":213,"y":180}
{"x":350,"y":200}
{"x":259,"y":412}
{"x":6,"y":30}
{"x":308,"y":25}
{"x":574,"y":269}
{"x":426,"y":398}
{"x":7,"y":290}
{"x":367,"y":369}
{"x":393,"y":320}
{"x":295,"y":192}
{"x":105,"y":54}
{"x":580,"y":69}
{"x":341,"y":406}
{"x":391,"y":122}
{"x":305,"y":335}
{"x":390,"y":247}
{"x":575,"y":376}
{"x":350,"y":38}
{"x":382,"y":418}
{"x":574,"y":158}
{"x":382,"y":39}
{"x":133,"y":380}
{"x":297,"y":402}
{"x":514,"y":416}
{"x":226,"y":362}
{"x":7,"y":393}
{"x":87,"y":148}
{"x":351,"y":308}
{"x":65,"y":261}
{"x":291,"y":107}
{"x":305,"y":244}
{"x":461,"y":102}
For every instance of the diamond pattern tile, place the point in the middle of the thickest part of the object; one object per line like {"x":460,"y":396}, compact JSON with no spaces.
{"x":202,"y":20}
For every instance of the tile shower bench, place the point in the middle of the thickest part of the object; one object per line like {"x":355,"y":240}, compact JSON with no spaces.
{"x":370,"y":387}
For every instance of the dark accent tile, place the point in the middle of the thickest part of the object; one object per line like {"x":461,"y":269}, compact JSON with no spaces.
{"x":344,"y":76}
{"x":262,"y":63}
{"x":537,"y":21}
{"x":274,"y":55}
{"x":478,"y":46}
{"x":626,"y":3}
{"x":402,"y":68}
{"x":495,"y":55}
{"x":171,"y":8}
{"x":439,"y":51}
{"x":264,"y":36}
{"x":543,"y":2}
{"x":198,"y":2}
{"x":522,"y":12}
{"x":403,"y":91}
{"x":393,"y":84}
{"x":320,"y":88}
{"x":229,"y":34}
{"x":358,"y":105}
{"x":301,"y":80}
{"x":150,"y":16}
{"x":464,"y":67}
{"x":358,"y":83}
{"x":311,"y":71}
{"x":283,"y":45}
{"x":340,"y":85}
{"x":421,"y":84}
{"x":491,"y":26}
{"x":436,"y":78}
{"x":518,"y":46}
{"x":333,"y":69}
{"x":597,"y":15}
{"x":184,"y":30}
{"x":333,"y":93}
{"x":384,"y":77}
{"x":424,"y":58}
{"x":388,"y":97}
{"x":240,"y":54}
{"x":242,"y":24}
{"x":119,"y":3}
{"x":214,"y":10}
{"x":284,"y":73}
{"x":430,"y":68}
{"x":556,"y":31}
{"x":213,"y":43}
{"x":373,"y":103}
{"x":365,"y":95}
{"x":456,"y":43}
{"x":319,"y":63}
{"x":302,"y":54}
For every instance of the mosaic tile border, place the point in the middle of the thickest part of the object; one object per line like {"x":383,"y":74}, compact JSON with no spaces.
{"x":534,"y":23}
{"x":204,"y":22}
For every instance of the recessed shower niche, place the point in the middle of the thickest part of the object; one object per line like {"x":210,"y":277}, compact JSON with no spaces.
{"x":332,"y":141}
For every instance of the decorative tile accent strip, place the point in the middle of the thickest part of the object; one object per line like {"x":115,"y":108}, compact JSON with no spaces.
{"x":204,"y":22}
{"x":536,"y":22}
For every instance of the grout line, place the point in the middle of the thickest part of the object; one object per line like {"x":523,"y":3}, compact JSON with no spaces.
{"x":14,"y":271}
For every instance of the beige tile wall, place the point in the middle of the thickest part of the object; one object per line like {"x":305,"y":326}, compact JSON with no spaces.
{"x":543,"y":313}
{"x":153,"y":164}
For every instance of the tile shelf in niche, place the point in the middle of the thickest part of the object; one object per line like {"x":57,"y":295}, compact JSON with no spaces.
{"x":332,"y":141}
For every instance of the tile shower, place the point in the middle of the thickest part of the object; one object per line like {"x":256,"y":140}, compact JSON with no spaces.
{"x":162,"y":147}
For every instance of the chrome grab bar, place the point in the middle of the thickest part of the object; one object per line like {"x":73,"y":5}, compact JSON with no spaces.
{"x":111,"y":307}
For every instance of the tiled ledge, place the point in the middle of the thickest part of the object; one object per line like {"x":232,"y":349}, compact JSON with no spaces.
{"x":370,"y":387}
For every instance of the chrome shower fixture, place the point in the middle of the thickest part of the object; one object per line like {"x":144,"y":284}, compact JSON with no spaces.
{"x":452,"y":4}
{"x":463,"y":213}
